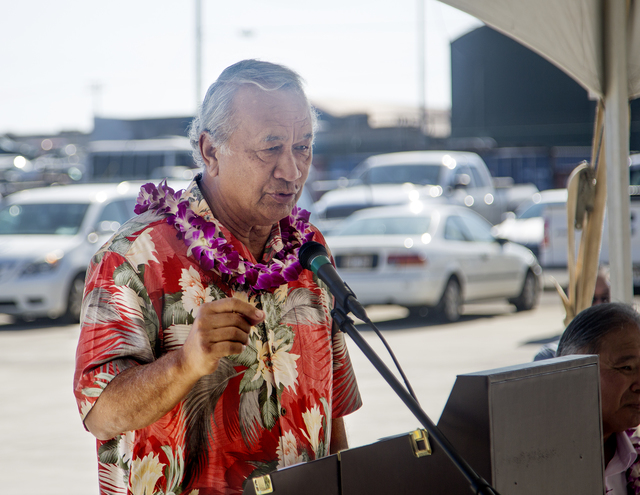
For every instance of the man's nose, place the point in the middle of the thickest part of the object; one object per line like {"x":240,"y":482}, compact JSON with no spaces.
{"x":635,"y":385}
{"x":287,"y":167}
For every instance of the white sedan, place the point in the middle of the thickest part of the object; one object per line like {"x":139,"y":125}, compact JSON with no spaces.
{"x":47,"y":238}
{"x":431,"y":258}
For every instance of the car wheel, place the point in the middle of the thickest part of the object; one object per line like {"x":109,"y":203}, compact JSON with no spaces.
{"x":449,"y":306}
{"x":528,"y":298}
{"x":74,"y":301}
{"x":419,"y":311}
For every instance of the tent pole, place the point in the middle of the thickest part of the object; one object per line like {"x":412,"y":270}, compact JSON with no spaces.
{"x":617,"y":149}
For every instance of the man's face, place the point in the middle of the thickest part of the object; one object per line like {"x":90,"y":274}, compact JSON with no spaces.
{"x":620,"y":379}
{"x":602,"y":292}
{"x":261,"y":179}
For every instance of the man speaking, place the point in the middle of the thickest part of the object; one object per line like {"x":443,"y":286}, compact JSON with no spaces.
{"x":206,"y":353}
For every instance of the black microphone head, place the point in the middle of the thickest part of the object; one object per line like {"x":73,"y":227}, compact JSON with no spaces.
{"x":310,"y":250}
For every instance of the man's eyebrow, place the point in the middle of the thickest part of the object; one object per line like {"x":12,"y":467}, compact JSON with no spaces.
{"x":626,"y":358}
{"x":271,"y":138}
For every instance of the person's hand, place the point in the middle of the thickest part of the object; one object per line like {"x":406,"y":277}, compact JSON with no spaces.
{"x":221,"y":328}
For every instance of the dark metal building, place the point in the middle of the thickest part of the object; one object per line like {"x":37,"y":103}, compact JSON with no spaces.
{"x":504,"y":91}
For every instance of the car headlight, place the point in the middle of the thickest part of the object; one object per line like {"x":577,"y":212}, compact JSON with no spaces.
{"x":50,"y":263}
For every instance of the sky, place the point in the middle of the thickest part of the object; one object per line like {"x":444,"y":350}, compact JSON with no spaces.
{"x":65,"y":61}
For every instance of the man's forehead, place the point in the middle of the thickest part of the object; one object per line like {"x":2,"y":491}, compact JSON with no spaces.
{"x":623,"y":342}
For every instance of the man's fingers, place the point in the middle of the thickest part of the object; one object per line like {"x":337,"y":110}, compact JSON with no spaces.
{"x":232,"y":305}
{"x":228,"y":334}
{"x":215,"y":321}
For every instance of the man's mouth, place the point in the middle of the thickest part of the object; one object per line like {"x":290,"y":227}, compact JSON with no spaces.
{"x":283,"y":197}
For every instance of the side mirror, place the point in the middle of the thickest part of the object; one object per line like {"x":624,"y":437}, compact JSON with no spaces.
{"x":461,"y":181}
{"x":501,"y":240}
{"x":508,"y":215}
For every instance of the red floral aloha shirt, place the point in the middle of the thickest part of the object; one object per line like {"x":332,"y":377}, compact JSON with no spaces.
{"x":266,"y":408}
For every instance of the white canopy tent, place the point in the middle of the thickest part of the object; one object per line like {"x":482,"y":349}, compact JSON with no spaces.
{"x":597,"y":43}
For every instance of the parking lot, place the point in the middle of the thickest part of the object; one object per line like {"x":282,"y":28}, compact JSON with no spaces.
{"x":44,"y":448}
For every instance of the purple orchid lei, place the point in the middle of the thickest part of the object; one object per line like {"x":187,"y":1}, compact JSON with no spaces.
{"x":207,"y":244}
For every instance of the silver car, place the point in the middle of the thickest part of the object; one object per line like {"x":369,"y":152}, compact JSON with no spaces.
{"x":431,"y":259}
{"x":47,"y":238}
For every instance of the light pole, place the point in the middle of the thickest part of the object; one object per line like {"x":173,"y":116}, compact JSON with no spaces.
{"x":422,"y":90}
{"x":198,"y":52}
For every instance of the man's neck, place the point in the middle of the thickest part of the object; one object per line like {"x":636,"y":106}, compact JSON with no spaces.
{"x":253,"y":237}
{"x":610,"y":446}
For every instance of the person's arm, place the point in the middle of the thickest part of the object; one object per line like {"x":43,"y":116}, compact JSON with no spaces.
{"x":141,"y":395}
{"x":338,"y":436}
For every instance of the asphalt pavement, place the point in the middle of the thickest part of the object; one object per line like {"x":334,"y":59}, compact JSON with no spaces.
{"x":45,"y":449}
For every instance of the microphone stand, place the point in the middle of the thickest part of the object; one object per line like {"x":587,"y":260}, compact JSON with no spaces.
{"x":477,"y":484}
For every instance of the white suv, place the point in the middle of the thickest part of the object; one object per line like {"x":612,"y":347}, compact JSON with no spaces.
{"x":47,"y":238}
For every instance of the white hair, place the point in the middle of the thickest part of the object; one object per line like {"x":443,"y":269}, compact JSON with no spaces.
{"x":216,"y":114}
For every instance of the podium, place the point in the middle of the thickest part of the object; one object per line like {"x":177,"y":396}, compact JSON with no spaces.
{"x":528,"y":429}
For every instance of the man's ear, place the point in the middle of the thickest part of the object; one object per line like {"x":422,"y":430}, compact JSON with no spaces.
{"x":209,"y":154}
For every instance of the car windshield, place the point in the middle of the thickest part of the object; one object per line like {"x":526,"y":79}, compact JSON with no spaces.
{"x":533,"y":210}
{"x":530,"y":210}
{"x":42,"y":218}
{"x":399,"y":174}
{"x":634,"y":175}
{"x":414,"y":225}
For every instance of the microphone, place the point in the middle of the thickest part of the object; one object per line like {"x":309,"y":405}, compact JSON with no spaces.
{"x":313,"y":256}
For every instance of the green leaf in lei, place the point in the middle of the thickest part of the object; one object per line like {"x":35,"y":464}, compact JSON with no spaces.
{"x":173,"y":312}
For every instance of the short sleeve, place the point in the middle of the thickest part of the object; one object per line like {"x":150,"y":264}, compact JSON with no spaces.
{"x":119,"y":327}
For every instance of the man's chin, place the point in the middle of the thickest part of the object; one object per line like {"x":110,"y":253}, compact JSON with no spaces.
{"x":276,"y":212}
{"x":631,"y":418}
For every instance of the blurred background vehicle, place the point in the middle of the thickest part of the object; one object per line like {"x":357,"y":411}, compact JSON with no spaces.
{"x":526,"y":225}
{"x":541,"y":225}
{"x":47,"y":237}
{"x":396,"y":178}
{"x":431,"y":259}
{"x":134,"y":159}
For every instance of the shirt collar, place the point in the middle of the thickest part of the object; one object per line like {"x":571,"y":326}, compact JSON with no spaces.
{"x":624,"y":457}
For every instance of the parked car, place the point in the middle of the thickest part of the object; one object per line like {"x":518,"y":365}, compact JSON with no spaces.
{"x":397,"y":178}
{"x":542,"y":227}
{"x":526,"y":225}
{"x":47,"y":237}
{"x":433,"y":257}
